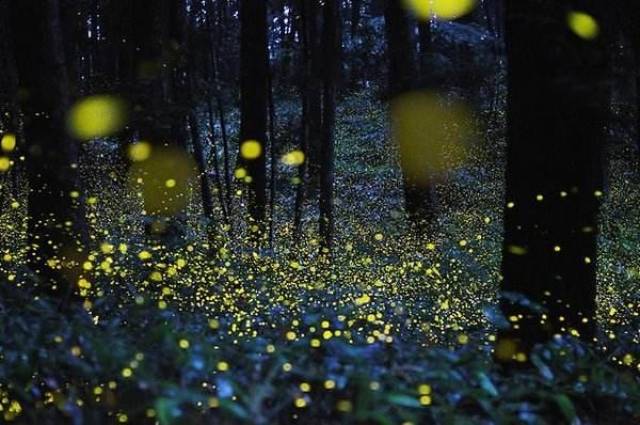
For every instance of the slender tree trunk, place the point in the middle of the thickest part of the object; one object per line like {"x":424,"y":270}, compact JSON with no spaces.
{"x":303,"y":172}
{"x":313,"y":90}
{"x":330,"y":48}
{"x":402,"y":75}
{"x":556,"y":110}
{"x":356,"y":13}
{"x":198,"y":155}
{"x":216,"y":163}
{"x":254,"y":76}
{"x":213,"y":53}
{"x":273,"y":165}
{"x":56,"y":223}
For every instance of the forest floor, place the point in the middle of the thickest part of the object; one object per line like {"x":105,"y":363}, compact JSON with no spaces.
{"x":396,"y":329}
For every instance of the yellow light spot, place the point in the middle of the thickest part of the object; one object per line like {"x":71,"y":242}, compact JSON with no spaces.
{"x":96,"y":116}
{"x":583,"y":25}
{"x":240,"y":173}
{"x":378,"y":236}
{"x":300,"y":402}
{"x":140,"y":151}
{"x":329,"y":384}
{"x":144,"y":255}
{"x":223,"y":366}
{"x":165,"y":168}
{"x":505,"y":349}
{"x":251,"y":149}
{"x":516,"y":249}
{"x":76,"y":351}
{"x":305,"y":387}
{"x":440,"y":9}
{"x":344,"y":406}
{"x":539,"y":198}
{"x":127,"y":372}
{"x":8,"y":142}
{"x":290,"y":335}
{"x":293,"y":158}
{"x":425,"y":400}
{"x":431,"y":135}
{"x":557,"y":248}
{"x":184,"y":344}
{"x":424,"y":389}
{"x":5,"y":164}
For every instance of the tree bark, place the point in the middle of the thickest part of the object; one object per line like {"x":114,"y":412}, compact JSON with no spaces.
{"x":57,"y":229}
{"x":401,"y":79}
{"x":254,"y":81}
{"x":557,"y":106}
{"x":330,"y":48}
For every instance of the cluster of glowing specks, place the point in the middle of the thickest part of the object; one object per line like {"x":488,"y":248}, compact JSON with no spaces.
{"x":139,"y":151}
{"x":96,"y":116}
{"x":440,"y":9}
{"x":250,"y":149}
{"x":432,"y":135}
{"x":583,"y":25}
{"x":294,"y":158}
{"x":162,"y":180}
{"x":8,"y":142}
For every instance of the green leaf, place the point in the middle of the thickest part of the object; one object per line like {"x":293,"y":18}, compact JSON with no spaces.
{"x":566,"y":407}
{"x":403,"y":400}
{"x":486,"y":384}
{"x":167,"y":410}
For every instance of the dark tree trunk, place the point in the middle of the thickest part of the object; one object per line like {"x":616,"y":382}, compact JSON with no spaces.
{"x":214,"y":56}
{"x":330,"y":48}
{"x":56,"y":222}
{"x":254,"y":82}
{"x":402,"y":75}
{"x":313,"y":90}
{"x":356,"y":14}
{"x":630,"y":15}
{"x":301,"y":190}
{"x":424,"y":39}
{"x":556,"y":109}
{"x":400,"y":50}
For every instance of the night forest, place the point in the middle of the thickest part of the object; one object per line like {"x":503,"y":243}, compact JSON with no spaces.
{"x":393,"y":212}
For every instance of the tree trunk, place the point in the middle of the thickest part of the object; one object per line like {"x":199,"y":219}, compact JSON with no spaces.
{"x":402,"y":75}
{"x":57,"y":229}
{"x":313,"y":91}
{"x":630,"y":15}
{"x":424,"y":38}
{"x":254,"y":82}
{"x":556,"y":109}
{"x":330,"y":48}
